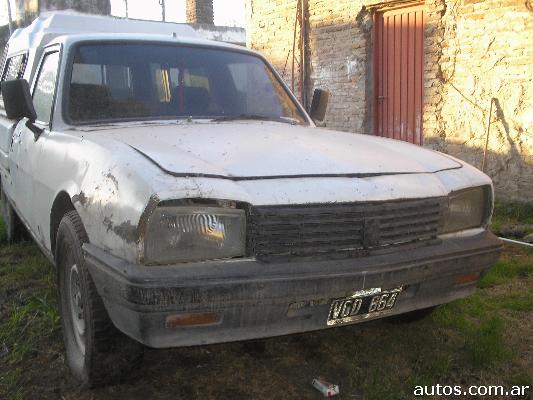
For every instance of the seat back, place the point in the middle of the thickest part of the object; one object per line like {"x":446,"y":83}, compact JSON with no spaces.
{"x":195,"y":100}
{"x":88,"y":102}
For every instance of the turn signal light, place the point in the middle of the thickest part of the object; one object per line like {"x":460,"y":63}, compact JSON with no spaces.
{"x":207,"y":318}
{"x":468,"y":278}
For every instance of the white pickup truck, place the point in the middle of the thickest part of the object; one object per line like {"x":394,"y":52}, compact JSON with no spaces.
{"x":186,"y":197}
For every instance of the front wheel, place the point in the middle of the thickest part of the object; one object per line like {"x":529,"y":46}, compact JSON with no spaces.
{"x":96,"y":352}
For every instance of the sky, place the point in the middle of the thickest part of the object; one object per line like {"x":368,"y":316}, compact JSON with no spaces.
{"x":227,"y":12}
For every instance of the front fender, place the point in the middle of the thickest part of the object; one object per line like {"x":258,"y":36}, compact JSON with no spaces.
{"x":109,"y":185}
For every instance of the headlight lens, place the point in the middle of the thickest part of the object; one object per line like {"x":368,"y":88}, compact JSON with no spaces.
{"x":469,"y":208}
{"x":180,"y":234}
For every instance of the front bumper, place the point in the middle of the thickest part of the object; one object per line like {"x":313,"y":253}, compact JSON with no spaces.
{"x":255,"y":299}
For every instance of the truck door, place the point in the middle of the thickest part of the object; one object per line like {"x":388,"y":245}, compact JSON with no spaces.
{"x":14,"y":68}
{"x":26,"y":156}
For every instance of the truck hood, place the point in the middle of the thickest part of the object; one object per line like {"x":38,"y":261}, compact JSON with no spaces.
{"x":244,"y":150}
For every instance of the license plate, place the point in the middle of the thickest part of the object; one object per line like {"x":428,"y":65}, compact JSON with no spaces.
{"x":363,"y":304}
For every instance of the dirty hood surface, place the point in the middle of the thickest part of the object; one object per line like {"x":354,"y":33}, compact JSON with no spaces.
{"x":255,"y":150}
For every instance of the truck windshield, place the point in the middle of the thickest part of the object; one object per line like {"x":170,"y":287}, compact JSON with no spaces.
{"x":117,"y":82}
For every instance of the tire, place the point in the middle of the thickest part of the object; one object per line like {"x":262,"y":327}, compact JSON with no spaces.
{"x":14,"y":228}
{"x":96,"y":352}
{"x":412,"y":316}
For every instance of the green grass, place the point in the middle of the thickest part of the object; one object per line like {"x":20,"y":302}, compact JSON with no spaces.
{"x":3,"y":237}
{"x":27,"y":309}
{"x":479,"y":328}
{"x":32,"y":316}
{"x":510,"y":214}
{"x":507,"y":269}
{"x":10,"y":384}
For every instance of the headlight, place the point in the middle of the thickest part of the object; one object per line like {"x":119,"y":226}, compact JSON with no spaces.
{"x":180,"y":234}
{"x":469,"y":208}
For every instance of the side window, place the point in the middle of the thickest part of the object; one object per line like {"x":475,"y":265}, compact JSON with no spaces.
{"x":14,"y":68}
{"x":43,"y":93}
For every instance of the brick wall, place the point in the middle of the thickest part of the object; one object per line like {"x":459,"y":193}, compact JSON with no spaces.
{"x":478,"y":50}
{"x":337,"y":52}
{"x":474,"y":50}
{"x":199,"y":12}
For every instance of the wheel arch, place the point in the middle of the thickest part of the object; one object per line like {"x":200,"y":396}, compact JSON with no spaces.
{"x":61,"y":205}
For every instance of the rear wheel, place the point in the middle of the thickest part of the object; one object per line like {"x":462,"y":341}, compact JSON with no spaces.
{"x":96,"y":352}
{"x":12,"y":223}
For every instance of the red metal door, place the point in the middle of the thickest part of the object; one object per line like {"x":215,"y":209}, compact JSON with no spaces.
{"x":398,"y":73}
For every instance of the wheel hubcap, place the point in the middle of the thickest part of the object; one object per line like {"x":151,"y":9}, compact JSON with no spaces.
{"x":76,"y":308}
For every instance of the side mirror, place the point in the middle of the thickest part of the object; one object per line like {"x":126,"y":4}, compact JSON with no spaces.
{"x":17,"y":100}
{"x":319,"y":104}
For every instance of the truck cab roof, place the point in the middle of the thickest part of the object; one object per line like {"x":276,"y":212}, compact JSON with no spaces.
{"x":49,"y":26}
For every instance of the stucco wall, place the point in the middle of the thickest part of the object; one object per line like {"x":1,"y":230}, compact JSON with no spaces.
{"x":474,"y":50}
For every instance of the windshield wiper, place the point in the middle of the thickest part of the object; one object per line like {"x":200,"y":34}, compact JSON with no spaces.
{"x":256,"y":117}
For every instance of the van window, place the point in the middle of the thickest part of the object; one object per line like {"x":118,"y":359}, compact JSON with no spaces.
{"x":114,"y":82}
{"x":43,"y":94}
{"x":14,"y":68}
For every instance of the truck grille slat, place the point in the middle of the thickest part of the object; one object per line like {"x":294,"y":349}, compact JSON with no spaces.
{"x":308,"y":243}
{"x":341,"y":230}
{"x":418,"y":218}
{"x":345,"y":208}
{"x":302,"y":230}
{"x":410,"y":230}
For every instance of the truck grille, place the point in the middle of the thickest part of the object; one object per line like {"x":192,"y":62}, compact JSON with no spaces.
{"x":341,"y":230}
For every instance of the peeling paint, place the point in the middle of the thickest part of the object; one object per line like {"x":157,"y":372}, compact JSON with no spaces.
{"x":108,"y":223}
{"x":112,"y":178}
{"x":126,"y":230}
{"x":81,"y":198}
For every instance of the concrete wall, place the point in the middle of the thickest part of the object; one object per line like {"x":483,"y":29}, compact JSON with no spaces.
{"x":474,"y":50}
